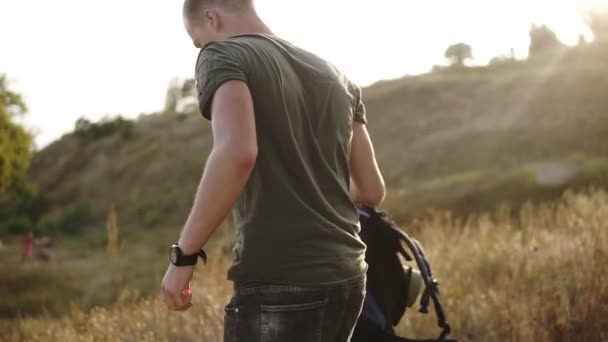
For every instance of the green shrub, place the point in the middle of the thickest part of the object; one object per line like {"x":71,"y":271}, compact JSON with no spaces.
{"x":19,"y":225}
{"x":23,"y":214}
{"x":76,"y":219}
{"x":151,"y":217}
{"x":86,"y":130}
{"x":35,"y":207}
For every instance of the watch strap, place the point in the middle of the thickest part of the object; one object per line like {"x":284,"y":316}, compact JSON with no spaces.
{"x":188,"y":260}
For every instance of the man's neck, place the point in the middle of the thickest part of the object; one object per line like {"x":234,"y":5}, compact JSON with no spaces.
{"x":249,"y":23}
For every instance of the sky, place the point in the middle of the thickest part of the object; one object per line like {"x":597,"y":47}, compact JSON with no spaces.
{"x":85,"y":58}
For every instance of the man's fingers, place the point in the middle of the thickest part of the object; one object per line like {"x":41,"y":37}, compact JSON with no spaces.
{"x":176,"y":288}
{"x":177,"y":302}
{"x":168,"y":299}
{"x":180,"y":300}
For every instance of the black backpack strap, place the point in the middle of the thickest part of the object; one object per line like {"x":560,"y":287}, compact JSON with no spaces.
{"x":431,"y":291}
{"x":431,"y":285}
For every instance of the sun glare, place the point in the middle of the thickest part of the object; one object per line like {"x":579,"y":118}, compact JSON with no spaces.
{"x":562,"y":17}
{"x":597,"y":3}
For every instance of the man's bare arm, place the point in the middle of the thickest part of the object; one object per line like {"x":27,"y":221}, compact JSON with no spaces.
{"x":367,"y":184}
{"x":228,"y":167}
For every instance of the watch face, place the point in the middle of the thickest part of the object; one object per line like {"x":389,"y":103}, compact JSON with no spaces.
{"x":173,"y":255}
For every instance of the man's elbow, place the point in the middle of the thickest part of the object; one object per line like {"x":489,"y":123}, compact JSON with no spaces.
{"x":244,"y":160}
{"x":372,"y":196}
{"x":238,"y":157}
{"x":376,"y":196}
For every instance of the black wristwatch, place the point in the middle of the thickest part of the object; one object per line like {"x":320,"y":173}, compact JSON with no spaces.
{"x":178,"y":258}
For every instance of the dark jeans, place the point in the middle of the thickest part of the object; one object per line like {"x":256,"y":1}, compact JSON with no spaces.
{"x":283,"y":313}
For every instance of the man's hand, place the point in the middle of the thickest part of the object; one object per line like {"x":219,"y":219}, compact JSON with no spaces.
{"x":176,"y":287}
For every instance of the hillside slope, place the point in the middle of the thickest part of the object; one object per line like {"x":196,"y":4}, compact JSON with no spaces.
{"x":461,"y":139}
{"x":466,"y":140}
{"x":150,"y":178}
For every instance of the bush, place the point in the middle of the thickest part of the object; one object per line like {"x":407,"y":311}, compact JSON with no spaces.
{"x":19,"y":225}
{"x":35,"y":207}
{"x":86,"y":130}
{"x":76,"y":219}
{"x":46,"y":227}
{"x":23,"y":213}
{"x":151,"y":217}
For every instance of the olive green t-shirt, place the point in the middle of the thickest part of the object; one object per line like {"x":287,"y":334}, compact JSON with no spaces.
{"x":295,"y":221}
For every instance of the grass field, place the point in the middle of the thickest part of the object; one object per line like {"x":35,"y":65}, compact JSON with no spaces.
{"x":506,"y":140}
{"x":537,"y":276}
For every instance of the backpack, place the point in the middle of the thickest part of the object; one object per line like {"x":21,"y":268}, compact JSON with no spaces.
{"x":391,"y":287}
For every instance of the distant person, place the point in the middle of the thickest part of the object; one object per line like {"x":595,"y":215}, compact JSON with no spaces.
{"x":28,"y":245}
{"x":292,"y":154}
{"x":44,"y":245}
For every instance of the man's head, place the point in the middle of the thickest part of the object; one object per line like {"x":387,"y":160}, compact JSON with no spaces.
{"x":210,"y":20}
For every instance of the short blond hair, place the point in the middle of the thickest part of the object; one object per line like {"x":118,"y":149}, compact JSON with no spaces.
{"x":193,"y":7}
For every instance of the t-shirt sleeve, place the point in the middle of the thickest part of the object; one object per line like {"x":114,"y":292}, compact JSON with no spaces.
{"x":360,"y":112}
{"x":216,"y":64}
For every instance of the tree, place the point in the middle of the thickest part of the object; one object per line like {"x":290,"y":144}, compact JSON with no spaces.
{"x":543,"y":42}
{"x":581,"y":40}
{"x":189,"y":100}
{"x":597,"y":19}
{"x":15,"y":143}
{"x":20,"y":207}
{"x":459,"y":53}
{"x":503,"y":59}
{"x":180,"y":96}
{"x":500,"y":60}
{"x":172,"y":97}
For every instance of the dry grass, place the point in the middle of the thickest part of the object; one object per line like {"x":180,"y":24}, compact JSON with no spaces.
{"x":132,"y":318}
{"x":538,"y":277}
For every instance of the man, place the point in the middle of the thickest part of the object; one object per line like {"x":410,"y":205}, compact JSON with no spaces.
{"x":292,"y":155}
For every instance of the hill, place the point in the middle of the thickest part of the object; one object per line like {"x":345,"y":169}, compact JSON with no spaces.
{"x":459,"y":139}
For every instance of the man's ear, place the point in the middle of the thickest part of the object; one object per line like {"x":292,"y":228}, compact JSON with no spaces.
{"x":213,"y":19}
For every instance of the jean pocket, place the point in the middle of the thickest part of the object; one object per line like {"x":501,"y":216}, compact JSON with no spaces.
{"x":293,"y":322}
{"x":230,"y":323}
